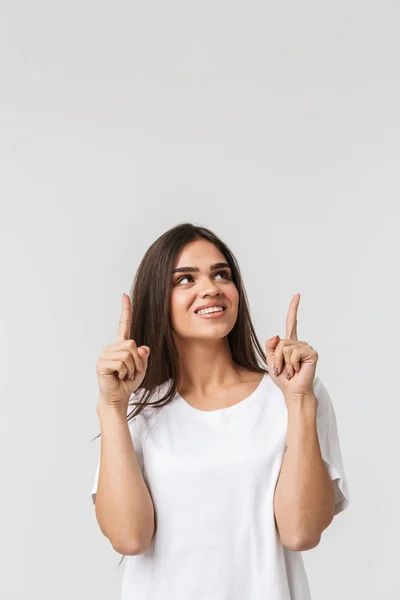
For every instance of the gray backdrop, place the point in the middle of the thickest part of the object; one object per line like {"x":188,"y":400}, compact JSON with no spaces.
{"x":274,"y":124}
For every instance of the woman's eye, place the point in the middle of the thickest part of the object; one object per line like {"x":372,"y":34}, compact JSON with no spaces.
{"x":181,"y":279}
{"x":225,"y":273}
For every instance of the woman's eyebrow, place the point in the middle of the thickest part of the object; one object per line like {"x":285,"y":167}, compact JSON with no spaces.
{"x":196,"y":269}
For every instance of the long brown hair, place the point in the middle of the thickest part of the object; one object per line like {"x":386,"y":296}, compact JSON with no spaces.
{"x":151,"y":322}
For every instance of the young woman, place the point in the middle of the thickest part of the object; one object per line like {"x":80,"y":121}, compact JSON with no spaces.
{"x":225,"y":470}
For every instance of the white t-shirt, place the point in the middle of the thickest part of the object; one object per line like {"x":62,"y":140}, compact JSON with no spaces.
{"x":212,"y":477}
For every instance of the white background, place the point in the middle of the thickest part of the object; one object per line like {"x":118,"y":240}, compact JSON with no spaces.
{"x":274,"y":124}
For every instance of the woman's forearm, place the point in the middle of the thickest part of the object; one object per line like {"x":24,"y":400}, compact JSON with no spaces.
{"x":304,"y":497}
{"x":124,"y":508}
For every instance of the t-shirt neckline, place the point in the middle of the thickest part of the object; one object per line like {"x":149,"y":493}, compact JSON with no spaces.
{"x":226,"y":413}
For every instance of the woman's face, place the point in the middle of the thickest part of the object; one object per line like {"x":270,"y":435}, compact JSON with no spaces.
{"x":191,"y":290}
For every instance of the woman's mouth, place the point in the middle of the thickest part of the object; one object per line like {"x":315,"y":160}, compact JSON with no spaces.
{"x":215,"y":314}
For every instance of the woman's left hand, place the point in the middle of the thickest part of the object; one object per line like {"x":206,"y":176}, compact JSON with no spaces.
{"x":292,"y":357}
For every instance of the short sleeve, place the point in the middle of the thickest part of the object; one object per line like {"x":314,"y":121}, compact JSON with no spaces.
{"x":330,"y":445}
{"x":134,"y":428}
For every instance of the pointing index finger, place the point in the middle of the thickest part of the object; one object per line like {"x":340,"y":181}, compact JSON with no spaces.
{"x":291,"y":319}
{"x":124,"y":325}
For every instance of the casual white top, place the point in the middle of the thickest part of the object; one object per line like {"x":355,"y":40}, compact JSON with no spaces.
{"x":212,"y":477}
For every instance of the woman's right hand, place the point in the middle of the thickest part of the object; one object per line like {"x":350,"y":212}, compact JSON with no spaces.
{"x":122,"y":366}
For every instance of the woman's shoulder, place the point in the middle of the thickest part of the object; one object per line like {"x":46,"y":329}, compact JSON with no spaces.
{"x":150,"y":408}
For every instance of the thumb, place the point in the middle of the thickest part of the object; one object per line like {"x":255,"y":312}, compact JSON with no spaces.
{"x":270,"y":346}
{"x":144,"y":352}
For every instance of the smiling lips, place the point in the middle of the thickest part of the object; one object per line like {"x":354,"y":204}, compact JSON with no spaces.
{"x":213,"y":314}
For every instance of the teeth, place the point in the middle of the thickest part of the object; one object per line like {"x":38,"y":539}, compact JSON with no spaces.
{"x":205,"y":311}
